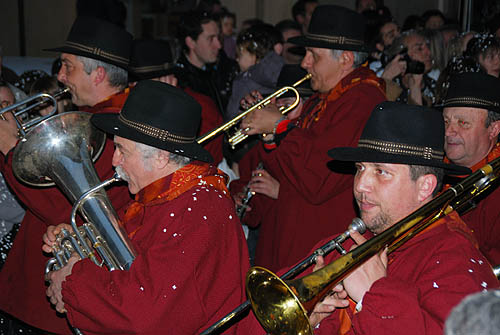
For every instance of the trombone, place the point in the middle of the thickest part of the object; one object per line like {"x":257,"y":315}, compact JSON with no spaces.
{"x":18,"y":110}
{"x":238,"y":136}
{"x":282,"y":307}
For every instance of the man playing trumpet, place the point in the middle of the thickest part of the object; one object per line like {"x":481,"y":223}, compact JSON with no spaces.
{"x":182,"y":225}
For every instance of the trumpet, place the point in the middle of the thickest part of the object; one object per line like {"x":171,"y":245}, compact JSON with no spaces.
{"x":334,"y":244}
{"x":238,"y":136}
{"x":282,"y":307}
{"x":18,"y":110}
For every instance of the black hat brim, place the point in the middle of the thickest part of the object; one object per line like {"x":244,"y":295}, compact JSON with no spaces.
{"x":374,"y":156}
{"x":305,"y":41}
{"x":78,"y":52}
{"x":135,"y":76}
{"x":111,"y":124}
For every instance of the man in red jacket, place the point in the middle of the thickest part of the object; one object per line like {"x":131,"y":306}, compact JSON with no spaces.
{"x":411,"y":290}
{"x":191,"y":255}
{"x":471,"y":112}
{"x":94,"y":61}
{"x":310,"y":194}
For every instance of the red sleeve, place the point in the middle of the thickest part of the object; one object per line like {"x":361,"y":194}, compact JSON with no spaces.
{"x":302,"y":157}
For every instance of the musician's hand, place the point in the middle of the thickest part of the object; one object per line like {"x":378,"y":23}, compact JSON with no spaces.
{"x":261,"y":121}
{"x":262,"y":182}
{"x":361,"y":279}
{"x":336,"y":299}
{"x":250,"y":99}
{"x":49,"y":238}
{"x":238,"y":200}
{"x":8,"y":133}
{"x":56,"y":278}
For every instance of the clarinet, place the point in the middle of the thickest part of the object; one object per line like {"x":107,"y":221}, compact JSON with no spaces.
{"x":242,"y":209}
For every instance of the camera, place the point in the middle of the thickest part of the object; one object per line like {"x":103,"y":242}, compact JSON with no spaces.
{"x":412,"y":66}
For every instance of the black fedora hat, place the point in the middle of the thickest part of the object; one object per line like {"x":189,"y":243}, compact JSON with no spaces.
{"x":159,"y":115}
{"x":98,"y":39}
{"x":289,"y":75}
{"x":334,"y":27}
{"x":473,"y":89}
{"x":151,"y":59}
{"x":398,"y":133}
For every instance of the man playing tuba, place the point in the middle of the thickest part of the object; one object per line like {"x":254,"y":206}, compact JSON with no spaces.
{"x":191,"y":254}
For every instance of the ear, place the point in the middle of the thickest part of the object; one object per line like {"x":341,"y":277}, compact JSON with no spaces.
{"x":425,"y":186}
{"x":190,"y":42}
{"x":493,"y":131}
{"x":347,"y":59}
{"x":99,"y":75}
{"x":162,"y":159}
{"x":278,"y":48}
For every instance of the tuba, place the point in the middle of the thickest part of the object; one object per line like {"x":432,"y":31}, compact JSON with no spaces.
{"x":60,"y":150}
{"x":282,"y":307}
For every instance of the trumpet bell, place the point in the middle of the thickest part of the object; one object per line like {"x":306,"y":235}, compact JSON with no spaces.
{"x":285,"y":314}
{"x":56,"y":142}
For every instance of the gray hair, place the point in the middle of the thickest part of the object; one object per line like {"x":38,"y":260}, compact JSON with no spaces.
{"x":492,"y":117}
{"x":476,"y":314}
{"x":117,"y":76}
{"x":420,"y":170}
{"x":148,"y":152}
{"x":359,"y":57}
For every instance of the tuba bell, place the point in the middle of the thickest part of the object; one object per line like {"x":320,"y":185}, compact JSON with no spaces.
{"x":60,"y":150}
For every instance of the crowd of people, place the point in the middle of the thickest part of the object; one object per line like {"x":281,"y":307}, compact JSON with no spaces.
{"x":387,"y":117}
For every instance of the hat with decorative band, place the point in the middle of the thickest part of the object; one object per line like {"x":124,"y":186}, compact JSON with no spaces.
{"x":399,"y":133}
{"x":159,"y":115}
{"x":98,"y":39}
{"x":473,"y":89}
{"x":151,"y":59}
{"x":334,"y":27}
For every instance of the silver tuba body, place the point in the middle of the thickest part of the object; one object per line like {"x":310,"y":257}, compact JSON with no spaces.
{"x":61,"y":151}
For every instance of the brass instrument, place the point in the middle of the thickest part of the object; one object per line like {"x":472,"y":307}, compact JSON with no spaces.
{"x":18,"y":110}
{"x":282,"y":307}
{"x":335,"y":244}
{"x":496,"y":271}
{"x":60,"y":150}
{"x":238,"y":136}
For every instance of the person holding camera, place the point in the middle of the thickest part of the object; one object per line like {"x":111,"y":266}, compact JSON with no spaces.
{"x":408,"y":73}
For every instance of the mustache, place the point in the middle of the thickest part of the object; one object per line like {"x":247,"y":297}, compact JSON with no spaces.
{"x":450,"y":140}
{"x":122,"y":173}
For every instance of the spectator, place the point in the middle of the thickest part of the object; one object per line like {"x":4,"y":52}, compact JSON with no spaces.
{"x":433,"y":19}
{"x":485,"y":49}
{"x":302,"y":11}
{"x":476,"y":314}
{"x":291,"y":54}
{"x":228,"y":25}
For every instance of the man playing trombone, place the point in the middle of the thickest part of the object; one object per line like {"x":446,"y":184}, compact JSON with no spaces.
{"x":410,"y":289}
{"x":191,"y":255}
{"x":94,"y":61}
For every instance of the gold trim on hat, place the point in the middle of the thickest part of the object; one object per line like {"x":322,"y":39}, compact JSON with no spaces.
{"x":146,"y":69}
{"x":162,"y":135}
{"x":471,"y":101}
{"x":97,"y":52}
{"x":402,"y":149}
{"x":334,"y":39}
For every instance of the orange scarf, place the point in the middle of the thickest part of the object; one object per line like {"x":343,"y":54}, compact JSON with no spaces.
{"x":170,"y":187}
{"x":362,"y":75}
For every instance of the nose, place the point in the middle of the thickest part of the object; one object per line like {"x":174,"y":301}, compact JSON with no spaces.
{"x":61,"y":75}
{"x":117,"y":158}
{"x":449,"y":129}
{"x":306,"y":61}
{"x":217,"y":44}
{"x":362,"y":182}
